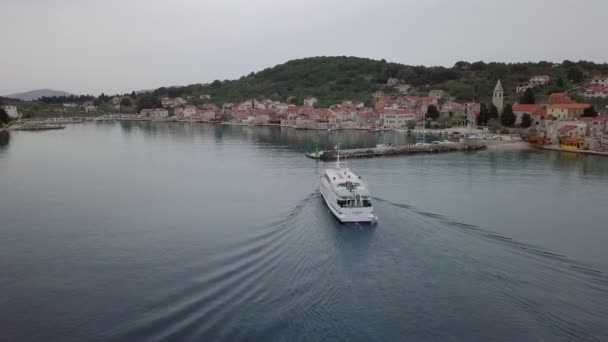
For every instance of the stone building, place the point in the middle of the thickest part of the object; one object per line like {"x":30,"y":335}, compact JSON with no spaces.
{"x":499,"y":97}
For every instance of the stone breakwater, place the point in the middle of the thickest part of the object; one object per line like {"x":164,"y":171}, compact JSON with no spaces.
{"x":397,"y":150}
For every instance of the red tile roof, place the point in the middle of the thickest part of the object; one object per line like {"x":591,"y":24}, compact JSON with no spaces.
{"x":559,"y":98}
{"x":540,"y":112}
{"x":571,"y":105}
{"x":524,"y":107}
{"x":567,"y":128}
{"x":597,"y":89}
{"x":396,"y":111}
{"x":603,"y":117}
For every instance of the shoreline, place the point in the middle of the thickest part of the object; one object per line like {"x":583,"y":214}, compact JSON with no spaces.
{"x":585,"y":152}
{"x":507,"y":145}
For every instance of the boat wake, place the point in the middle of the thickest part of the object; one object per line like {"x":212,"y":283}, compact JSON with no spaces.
{"x":211,"y":293}
{"x":554,"y":290}
{"x":484,"y":233}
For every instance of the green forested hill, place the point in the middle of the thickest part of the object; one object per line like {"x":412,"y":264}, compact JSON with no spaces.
{"x":332,"y":79}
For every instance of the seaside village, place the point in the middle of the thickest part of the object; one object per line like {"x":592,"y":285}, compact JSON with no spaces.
{"x":558,"y":119}
{"x":555,"y":120}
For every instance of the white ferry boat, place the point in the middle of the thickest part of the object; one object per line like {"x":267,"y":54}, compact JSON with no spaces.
{"x":347,"y":195}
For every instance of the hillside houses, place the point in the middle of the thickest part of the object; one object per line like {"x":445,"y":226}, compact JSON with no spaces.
{"x":597,"y":126}
{"x":450,"y":108}
{"x":11,"y":111}
{"x":172,"y":102}
{"x":392,"y":81}
{"x":154,"y":113}
{"x":403,"y":89}
{"x":597,"y":88}
{"x":566,"y":111}
{"x":596,"y":91}
{"x":534,"y":81}
{"x":437,"y":94}
{"x":519,"y":110}
{"x":397,"y":118}
{"x":419,"y":104}
{"x":523,"y":86}
{"x":600,"y":80}
{"x":556,"y":98}
{"x":310,"y":101}
{"x":539,"y":80}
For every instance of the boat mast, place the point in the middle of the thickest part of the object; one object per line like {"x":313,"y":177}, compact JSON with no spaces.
{"x":338,"y":160}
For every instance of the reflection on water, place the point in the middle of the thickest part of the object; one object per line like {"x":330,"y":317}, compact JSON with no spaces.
{"x":308,"y":140}
{"x":5,"y":139}
{"x":304,"y":140}
{"x":141,"y":231}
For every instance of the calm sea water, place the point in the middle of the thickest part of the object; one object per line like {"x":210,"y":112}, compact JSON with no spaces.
{"x":173,"y":232}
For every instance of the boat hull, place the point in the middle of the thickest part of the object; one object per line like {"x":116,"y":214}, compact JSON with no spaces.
{"x":347,"y":215}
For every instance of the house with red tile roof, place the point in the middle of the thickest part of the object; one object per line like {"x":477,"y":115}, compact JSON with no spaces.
{"x":386,"y":102}
{"x":596,"y":91}
{"x":539,"y":80}
{"x":396,"y":118}
{"x":601,"y":80}
{"x":572,"y":130}
{"x":566,"y":111}
{"x":452,"y":108}
{"x":538,"y":117}
{"x":520,"y":109}
{"x":471,"y":111}
{"x":437,"y":94}
{"x":597,"y":126}
{"x":368,"y":119}
{"x":555,"y":98}
{"x":523,"y":86}
{"x":310,"y":101}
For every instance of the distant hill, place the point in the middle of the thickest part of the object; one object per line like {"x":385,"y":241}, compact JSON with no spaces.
{"x":36,"y":94}
{"x":333,"y":79}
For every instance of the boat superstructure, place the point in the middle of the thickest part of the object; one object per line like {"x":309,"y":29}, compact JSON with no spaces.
{"x":346,"y":195}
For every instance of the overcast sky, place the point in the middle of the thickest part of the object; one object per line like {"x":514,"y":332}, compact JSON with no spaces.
{"x":94,"y":46}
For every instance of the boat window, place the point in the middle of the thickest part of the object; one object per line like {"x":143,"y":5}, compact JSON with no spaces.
{"x":367,"y":203}
{"x":342,"y":203}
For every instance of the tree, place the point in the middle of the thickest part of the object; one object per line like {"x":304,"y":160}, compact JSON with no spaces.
{"x":4,"y":118}
{"x":527,"y":97}
{"x":133,"y":95}
{"x":589,"y":112}
{"x":148,"y":100}
{"x":432,"y":112}
{"x":410,"y":124}
{"x":575,"y":74}
{"x":126,"y":102}
{"x":560,"y":82}
{"x":508,"y":118}
{"x":493,"y":112}
{"x":494,"y":125}
{"x":526,"y":120}
{"x":444,"y":122}
{"x":216,"y":84}
{"x":482,"y":118}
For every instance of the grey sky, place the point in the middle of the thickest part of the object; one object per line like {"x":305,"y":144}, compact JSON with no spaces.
{"x":92,"y":46}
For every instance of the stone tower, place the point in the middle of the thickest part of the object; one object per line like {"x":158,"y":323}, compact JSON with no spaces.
{"x":499,"y":97}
